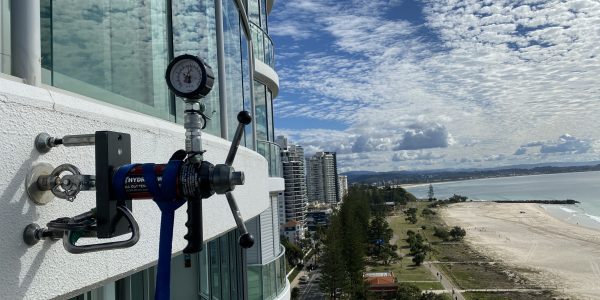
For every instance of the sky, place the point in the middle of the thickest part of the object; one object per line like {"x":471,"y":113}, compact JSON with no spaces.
{"x":411,"y":85}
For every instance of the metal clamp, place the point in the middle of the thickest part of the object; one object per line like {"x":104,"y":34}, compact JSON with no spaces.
{"x":70,"y":237}
{"x":66,"y":186}
{"x":84,"y":225}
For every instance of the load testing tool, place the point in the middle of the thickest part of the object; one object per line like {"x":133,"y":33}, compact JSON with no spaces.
{"x":185,"y":178}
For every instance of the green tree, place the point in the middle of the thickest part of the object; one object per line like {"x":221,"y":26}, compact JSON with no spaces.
{"x":431,"y":296}
{"x":430,"y":194}
{"x":441,"y":233}
{"x":295,"y":293}
{"x":333,"y":268}
{"x":379,"y":235}
{"x":293,"y":253}
{"x":407,"y":291}
{"x":457,"y":233}
{"x":419,"y":258}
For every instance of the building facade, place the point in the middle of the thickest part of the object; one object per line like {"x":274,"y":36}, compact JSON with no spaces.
{"x":343,"y":187}
{"x":322,"y":178}
{"x":295,"y":197}
{"x":76,"y":67}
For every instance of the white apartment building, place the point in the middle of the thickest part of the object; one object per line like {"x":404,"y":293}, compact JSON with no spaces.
{"x":295,"y":199}
{"x":322,"y":178}
{"x":343,"y":187}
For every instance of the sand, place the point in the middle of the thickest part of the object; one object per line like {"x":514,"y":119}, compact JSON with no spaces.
{"x":563,"y":256}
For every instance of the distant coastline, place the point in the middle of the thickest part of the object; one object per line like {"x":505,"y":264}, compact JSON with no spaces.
{"x":415,"y":178}
{"x":567,"y":201}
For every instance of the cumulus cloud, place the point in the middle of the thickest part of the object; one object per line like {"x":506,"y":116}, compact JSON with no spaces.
{"x":565,"y":144}
{"x":423,"y":136}
{"x":366,"y":143}
{"x":520,"y":151}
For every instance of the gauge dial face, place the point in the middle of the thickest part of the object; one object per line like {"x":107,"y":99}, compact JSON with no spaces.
{"x":188,"y":77}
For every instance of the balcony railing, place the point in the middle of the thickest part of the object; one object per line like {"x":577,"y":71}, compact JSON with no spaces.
{"x":271,"y":152}
{"x":269,"y":280}
{"x":263,"y":45}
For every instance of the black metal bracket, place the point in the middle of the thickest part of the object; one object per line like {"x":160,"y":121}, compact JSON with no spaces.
{"x":113,"y":149}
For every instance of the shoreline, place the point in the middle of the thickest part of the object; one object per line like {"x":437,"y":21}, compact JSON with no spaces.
{"x":561,"y":256}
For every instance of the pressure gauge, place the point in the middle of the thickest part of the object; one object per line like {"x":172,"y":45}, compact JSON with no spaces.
{"x":189,"y":77}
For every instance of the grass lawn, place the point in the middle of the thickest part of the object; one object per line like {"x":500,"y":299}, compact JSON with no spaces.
{"x":406,"y":272}
{"x":457,"y":252}
{"x":508,"y":295}
{"x":425,"y":286}
{"x":478,"y":276}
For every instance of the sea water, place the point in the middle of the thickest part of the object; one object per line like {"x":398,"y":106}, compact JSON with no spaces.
{"x":582,"y":186}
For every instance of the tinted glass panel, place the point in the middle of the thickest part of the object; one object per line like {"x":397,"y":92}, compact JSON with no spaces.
{"x":4,"y":37}
{"x":194,"y":32}
{"x":261,"y":111}
{"x":114,"y":51}
{"x":233,"y":64}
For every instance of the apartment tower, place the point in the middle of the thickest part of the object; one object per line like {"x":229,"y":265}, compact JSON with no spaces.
{"x":322,"y":178}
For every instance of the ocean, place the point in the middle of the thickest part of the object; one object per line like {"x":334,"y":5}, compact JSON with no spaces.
{"x":583,"y":187}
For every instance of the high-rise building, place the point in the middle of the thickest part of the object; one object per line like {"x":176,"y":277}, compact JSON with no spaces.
{"x":295,"y":198}
{"x":76,"y":67}
{"x":343,"y":185}
{"x":322,"y":178}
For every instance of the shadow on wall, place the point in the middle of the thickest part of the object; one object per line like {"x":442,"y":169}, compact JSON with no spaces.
{"x":16,"y":212}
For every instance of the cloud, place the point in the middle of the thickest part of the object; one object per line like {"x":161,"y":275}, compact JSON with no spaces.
{"x":520,"y":151}
{"x":412,"y":155}
{"x":423,"y":136}
{"x":367,"y":144}
{"x":567,"y":144}
{"x":492,"y":72}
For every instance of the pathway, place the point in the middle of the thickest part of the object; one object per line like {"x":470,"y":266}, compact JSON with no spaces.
{"x":447,"y":284}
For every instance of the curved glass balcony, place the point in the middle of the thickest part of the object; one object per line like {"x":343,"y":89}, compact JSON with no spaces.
{"x":263,"y":46}
{"x":268,"y":280}
{"x":271,"y":152}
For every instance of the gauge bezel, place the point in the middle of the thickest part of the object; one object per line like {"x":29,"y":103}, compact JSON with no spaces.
{"x":206,"y":82}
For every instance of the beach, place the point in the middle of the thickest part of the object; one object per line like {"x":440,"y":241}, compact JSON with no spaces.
{"x":552,"y":253}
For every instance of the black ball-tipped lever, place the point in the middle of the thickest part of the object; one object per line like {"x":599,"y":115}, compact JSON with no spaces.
{"x":246,"y":239}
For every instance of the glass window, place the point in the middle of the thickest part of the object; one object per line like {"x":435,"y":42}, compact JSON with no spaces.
{"x":215,"y":270}
{"x":270,"y":128}
{"x":246,"y":82}
{"x":259,"y":49}
{"x":194,"y":32}
{"x":4,"y":36}
{"x":254,"y":283}
{"x":114,"y":51}
{"x":263,"y":15}
{"x":261,"y":111}
{"x":203,"y":273}
{"x":233,"y":64}
{"x":253,"y":11}
{"x":225,"y":276}
{"x":234,"y":263}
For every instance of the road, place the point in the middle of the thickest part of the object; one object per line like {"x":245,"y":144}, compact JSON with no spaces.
{"x":311,"y":290}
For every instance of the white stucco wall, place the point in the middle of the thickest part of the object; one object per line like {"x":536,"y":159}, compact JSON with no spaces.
{"x":46,"y":270}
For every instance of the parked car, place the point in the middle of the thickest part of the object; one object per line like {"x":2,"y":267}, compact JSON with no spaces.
{"x":303,"y":279}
